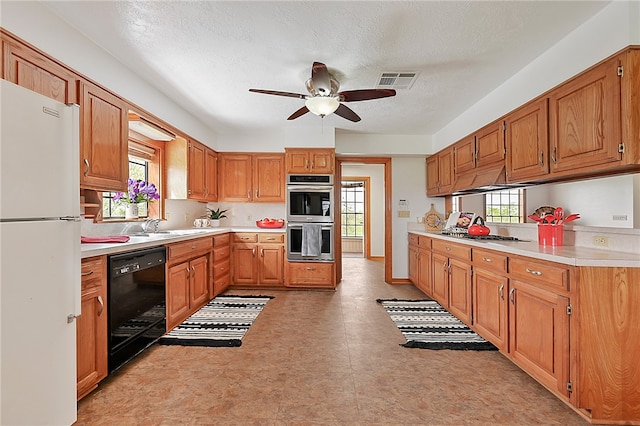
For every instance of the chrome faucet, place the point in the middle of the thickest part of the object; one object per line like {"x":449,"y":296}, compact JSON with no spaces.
{"x":150,"y":225}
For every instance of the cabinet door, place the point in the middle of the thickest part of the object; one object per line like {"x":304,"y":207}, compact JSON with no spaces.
{"x":464,"y":155}
{"x":297,"y":161}
{"x":460,"y":290}
{"x":490,"y":144}
{"x":103,"y":140}
{"x":445,"y":171}
{"x":268,"y":178}
{"x":198,"y":283}
{"x":432,"y":176}
{"x":527,"y":142}
{"x":196,"y":171}
{"x":413,"y":264}
{"x":490,"y":307}
{"x":244,"y":263}
{"x":271,"y":262}
{"x":440,"y":271}
{"x":322,"y":161}
{"x":29,"y":69}
{"x":211,"y":175}
{"x":177,"y":294}
{"x":585,"y":127}
{"x":235,"y":177}
{"x":539,"y":334}
{"x":424,"y":272}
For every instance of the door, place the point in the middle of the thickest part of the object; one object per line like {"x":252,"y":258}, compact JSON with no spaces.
{"x":196,"y":167}
{"x":198,"y":284}
{"x":244,"y":264}
{"x":490,"y":307}
{"x":527,"y":142}
{"x":460,"y":290}
{"x":40,"y":275}
{"x":271,"y":264}
{"x":268,"y":178}
{"x":177,"y":293}
{"x":235,"y":177}
{"x":440,"y":271}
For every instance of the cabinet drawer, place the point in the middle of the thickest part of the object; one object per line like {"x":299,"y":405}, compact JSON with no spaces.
{"x":220,"y":253}
{"x":413,"y":239}
{"x":424,"y":242}
{"x":245,"y":237}
{"x":93,"y":271}
{"x":273,"y":238}
{"x":220,"y":269}
{"x":452,"y":250}
{"x":221,"y":240}
{"x":549,"y":274}
{"x":186,"y":248}
{"x":489,"y":260}
{"x":310,"y":274}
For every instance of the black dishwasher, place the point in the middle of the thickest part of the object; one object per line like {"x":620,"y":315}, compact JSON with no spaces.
{"x":136,"y":303}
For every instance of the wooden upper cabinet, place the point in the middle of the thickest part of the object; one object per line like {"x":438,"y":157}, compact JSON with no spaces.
{"x":527,"y":142}
{"x":465,"y":155}
{"x":585,"y":120}
{"x":310,"y":160}
{"x":196,"y":175}
{"x":440,"y":169}
{"x":490,"y":144}
{"x":103,"y":139}
{"x":268,"y":178}
{"x":211,"y":175}
{"x":235,"y":177}
{"x":32,"y":70}
{"x":246,"y":177}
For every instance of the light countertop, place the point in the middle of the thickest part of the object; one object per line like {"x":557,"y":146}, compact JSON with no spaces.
{"x":160,"y":239}
{"x":569,"y":255}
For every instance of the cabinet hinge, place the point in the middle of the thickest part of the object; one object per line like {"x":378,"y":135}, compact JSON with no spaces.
{"x":621,"y":147}
{"x":620,"y":71}
{"x":570,"y":386}
{"x":569,"y":309}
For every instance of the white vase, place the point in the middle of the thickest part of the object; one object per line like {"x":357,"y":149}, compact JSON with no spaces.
{"x":215,"y":223}
{"x":131,"y":211}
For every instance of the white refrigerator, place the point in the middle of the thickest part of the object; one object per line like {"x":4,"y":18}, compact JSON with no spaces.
{"x":39,"y":258}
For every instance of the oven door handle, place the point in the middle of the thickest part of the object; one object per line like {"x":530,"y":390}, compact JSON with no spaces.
{"x":300,"y":188}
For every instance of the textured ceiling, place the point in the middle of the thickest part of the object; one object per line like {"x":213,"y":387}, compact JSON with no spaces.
{"x":206,"y":55}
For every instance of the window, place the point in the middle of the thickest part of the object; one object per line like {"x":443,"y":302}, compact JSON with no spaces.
{"x":504,"y":206}
{"x":144,"y":163}
{"x":352,"y":213}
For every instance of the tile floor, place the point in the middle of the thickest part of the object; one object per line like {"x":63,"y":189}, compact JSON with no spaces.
{"x":323,"y":358}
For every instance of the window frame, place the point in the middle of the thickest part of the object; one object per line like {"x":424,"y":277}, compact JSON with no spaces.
{"x":495,"y":199}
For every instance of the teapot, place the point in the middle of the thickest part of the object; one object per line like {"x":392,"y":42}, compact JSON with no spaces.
{"x":478,"y":229}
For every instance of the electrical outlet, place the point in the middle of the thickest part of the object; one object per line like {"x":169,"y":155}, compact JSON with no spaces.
{"x":404,"y":213}
{"x":420,"y":219}
{"x":622,"y":217}
{"x":249,"y":218}
{"x":600,"y":240}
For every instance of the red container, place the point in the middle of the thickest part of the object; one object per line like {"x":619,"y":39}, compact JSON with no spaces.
{"x":261,"y":224}
{"x":550,"y":234}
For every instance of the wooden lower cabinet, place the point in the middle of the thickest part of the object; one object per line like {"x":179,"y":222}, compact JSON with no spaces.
{"x":258,"y":259}
{"x":187,"y":278}
{"x":451,"y":269}
{"x":539,"y":334}
{"x":311,"y":275}
{"x":221,"y":265}
{"x":420,"y":263}
{"x":91,"y":326}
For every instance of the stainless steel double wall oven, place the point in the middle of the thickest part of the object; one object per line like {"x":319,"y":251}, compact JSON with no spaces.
{"x":310,"y":200}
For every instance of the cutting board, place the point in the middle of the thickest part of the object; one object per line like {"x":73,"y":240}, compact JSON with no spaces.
{"x":433,"y":221}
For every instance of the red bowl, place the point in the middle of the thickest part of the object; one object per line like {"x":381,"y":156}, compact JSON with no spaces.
{"x":262,"y":224}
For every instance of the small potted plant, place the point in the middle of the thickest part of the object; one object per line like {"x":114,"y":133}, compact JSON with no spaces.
{"x":216,"y":215}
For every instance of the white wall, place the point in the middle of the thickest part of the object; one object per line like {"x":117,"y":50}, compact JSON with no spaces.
{"x":376,"y":194}
{"x":33,"y":23}
{"x":388,"y":145}
{"x":610,"y":30}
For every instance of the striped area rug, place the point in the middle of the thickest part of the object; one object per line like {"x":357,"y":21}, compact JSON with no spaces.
{"x":221,"y":322}
{"x":427,"y":325}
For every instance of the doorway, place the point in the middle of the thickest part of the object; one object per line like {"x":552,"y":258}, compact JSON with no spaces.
{"x":384,"y":212}
{"x":355,"y":207}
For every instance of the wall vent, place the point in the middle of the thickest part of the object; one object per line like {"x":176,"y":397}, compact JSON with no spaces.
{"x":397,"y":80}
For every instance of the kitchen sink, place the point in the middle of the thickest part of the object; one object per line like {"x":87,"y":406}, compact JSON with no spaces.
{"x":168,"y":233}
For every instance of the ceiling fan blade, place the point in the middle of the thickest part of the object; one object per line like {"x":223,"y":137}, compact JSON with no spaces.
{"x":274,"y":92}
{"x":365,"y":94}
{"x":298,"y":113}
{"x":346,"y":112}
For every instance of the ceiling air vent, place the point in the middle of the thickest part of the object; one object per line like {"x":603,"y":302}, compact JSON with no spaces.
{"x":397,"y":80}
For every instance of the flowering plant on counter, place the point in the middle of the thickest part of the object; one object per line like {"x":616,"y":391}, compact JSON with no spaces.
{"x":139,"y":191}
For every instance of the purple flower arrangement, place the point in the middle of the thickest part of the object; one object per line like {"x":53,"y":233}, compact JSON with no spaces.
{"x":139,"y":192}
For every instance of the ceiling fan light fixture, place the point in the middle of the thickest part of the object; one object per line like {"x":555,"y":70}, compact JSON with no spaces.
{"x":322,"y":105}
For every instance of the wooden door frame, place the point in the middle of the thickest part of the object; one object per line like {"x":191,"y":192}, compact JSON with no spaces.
{"x":366,"y":248}
{"x":388,"y":252}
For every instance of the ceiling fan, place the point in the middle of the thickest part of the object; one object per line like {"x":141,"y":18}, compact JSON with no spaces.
{"x":324,"y":98}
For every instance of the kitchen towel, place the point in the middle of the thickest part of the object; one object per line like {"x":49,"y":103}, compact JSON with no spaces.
{"x":104,"y":240}
{"x":311,"y":239}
